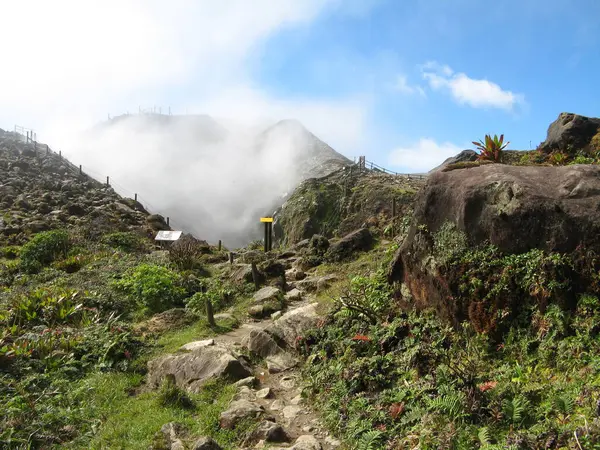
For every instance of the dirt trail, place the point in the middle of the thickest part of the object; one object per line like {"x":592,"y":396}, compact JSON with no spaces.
{"x":283,"y":403}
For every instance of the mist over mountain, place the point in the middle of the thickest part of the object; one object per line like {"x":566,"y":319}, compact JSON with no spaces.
{"x":213,"y":178}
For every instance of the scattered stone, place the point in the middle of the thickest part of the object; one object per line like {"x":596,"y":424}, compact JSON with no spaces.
{"x":277,"y":405}
{"x":206,"y":443}
{"x":287,"y":383}
{"x":191,"y":346}
{"x":276,"y":315}
{"x":306,"y":442}
{"x":267,"y":293}
{"x":239,"y":410}
{"x":291,"y":411}
{"x":271,"y":432}
{"x":245,"y":393}
{"x":308,"y":428}
{"x":262,"y":344}
{"x":293,"y":296}
{"x":296,"y":400}
{"x":281,"y":362}
{"x":249,"y":382}
{"x":332,"y":442}
{"x":264,"y":393}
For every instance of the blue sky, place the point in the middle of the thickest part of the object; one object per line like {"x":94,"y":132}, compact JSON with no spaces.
{"x":547,"y":53}
{"x":405,"y":83}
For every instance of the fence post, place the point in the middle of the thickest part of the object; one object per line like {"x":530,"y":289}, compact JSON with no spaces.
{"x":393,"y":217}
{"x":209,"y":313}
{"x":219,"y":244}
{"x":47,"y":149}
{"x":107,"y":181}
{"x":255,"y":276}
{"x":60,"y":154}
{"x":135,"y":196}
{"x":80,"y":170}
{"x":230,"y":257}
{"x":168,"y":222}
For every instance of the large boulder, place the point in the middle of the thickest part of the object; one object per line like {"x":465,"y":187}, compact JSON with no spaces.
{"x":345,"y":248}
{"x":513,"y":208}
{"x":464,"y":156}
{"x":572,"y":132}
{"x":294,"y":324}
{"x":193,"y":369}
{"x":238,"y":411}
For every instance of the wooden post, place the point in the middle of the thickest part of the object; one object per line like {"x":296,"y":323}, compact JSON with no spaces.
{"x":394,"y":217}
{"x":135,"y":196}
{"x":219,"y":244}
{"x":80,"y":170}
{"x":210,"y":313}
{"x":107,"y":181}
{"x":168,"y":222}
{"x":47,"y":149}
{"x":266,"y":237}
{"x":255,"y":276}
{"x":230,"y":257}
{"x":60,"y":154}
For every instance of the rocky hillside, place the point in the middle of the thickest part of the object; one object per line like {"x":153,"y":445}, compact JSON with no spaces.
{"x":344,"y":201}
{"x":41,"y":191}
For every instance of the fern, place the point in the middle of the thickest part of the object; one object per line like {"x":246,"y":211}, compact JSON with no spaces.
{"x":515,"y":409}
{"x":451,"y":404}
{"x":564,"y":405}
{"x":370,"y":440}
{"x":484,"y":436}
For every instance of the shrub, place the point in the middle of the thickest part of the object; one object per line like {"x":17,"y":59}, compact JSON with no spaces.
{"x":44,"y":248}
{"x":558,"y":158}
{"x":10,"y":252}
{"x":581,"y":159}
{"x":368,"y":297}
{"x":186,"y":252}
{"x":126,"y":241}
{"x":71,"y":264}
{"x":213,"y":291}
{"x":171,"y":395}
{"x":491,"y":149}
{"x":156,"y":288}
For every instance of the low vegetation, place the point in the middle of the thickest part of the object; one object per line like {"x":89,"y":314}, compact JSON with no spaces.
{"x":73,"y":345}
{"x":390,"y":378}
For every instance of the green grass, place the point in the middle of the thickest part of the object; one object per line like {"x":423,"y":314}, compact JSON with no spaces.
{"x":129,"y":421}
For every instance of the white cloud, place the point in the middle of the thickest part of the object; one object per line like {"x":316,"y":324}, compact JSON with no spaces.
{"x":67,"y":63}
{"x":422,"y":156}
{"x":469,"y":91}
{"x":404,"y":87}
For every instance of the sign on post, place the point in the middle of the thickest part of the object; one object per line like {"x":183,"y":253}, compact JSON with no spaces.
{"x":167,"y":235}
{"x":268,"y":221}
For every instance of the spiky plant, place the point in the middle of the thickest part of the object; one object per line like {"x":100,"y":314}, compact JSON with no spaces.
{"x":491,"y":149}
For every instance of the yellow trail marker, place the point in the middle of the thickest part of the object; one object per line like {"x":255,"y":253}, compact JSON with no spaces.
{"x":266,"y":219}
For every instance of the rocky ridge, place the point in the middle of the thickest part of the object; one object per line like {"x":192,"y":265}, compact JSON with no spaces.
{"x":39,"y":190}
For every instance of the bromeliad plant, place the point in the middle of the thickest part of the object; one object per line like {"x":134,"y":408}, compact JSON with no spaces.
{"x":491,"y":149}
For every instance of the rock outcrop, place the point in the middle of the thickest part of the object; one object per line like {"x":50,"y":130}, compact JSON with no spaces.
{"x":464,"y":156}
{"x":571,"y":133}
{"x":192,"y":369}
{"x":513,"y":208}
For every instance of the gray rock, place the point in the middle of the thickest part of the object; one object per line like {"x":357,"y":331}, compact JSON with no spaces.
{"x":281,"y":362}
{"x":291,"y":411}
{"x":192,"y":369}
{"x":349,"y":245}
{"x":264,"y":393}
{"x":249,"y":381}
{"x":239,"y":410}
{"x":271,"y":432}
{"x":268,"y":293}
{"x":206,"y":443}
{"x":293,"y":296}
{"x":262,"y":344}
{"x":191,"y":346}
{"x":464,"y":156}
{"x":294,"y":323}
